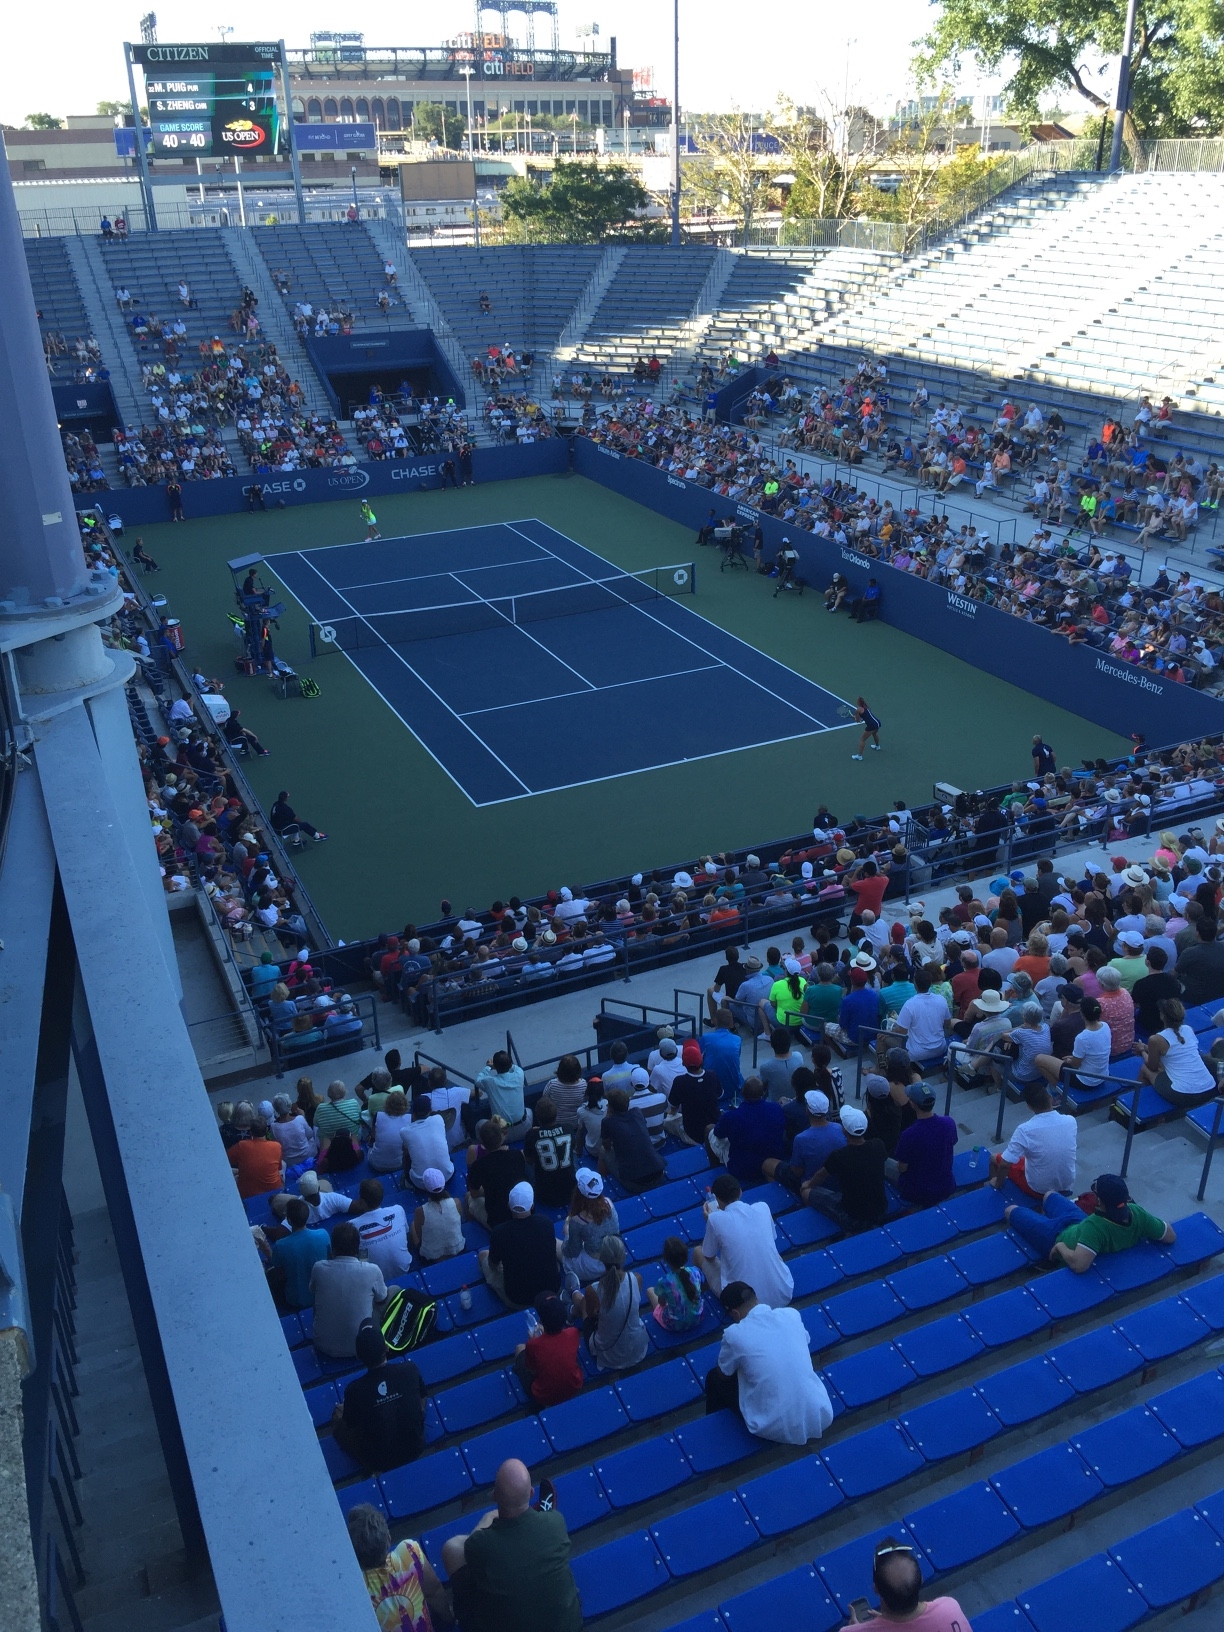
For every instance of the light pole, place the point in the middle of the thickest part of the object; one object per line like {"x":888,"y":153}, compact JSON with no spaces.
{"x":467,"y":72}
{"x":675,"y":130}
{"x":353,"y":175}
{"x":574,"y":133}
{"x":1123,"y":100}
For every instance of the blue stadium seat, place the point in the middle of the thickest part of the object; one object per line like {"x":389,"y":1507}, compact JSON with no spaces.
{"x":475,"y":1235}
{"x":1126,"y":1447}
{"x":971,"y":1167}
{"x":321,"y":1402}
{"x":962,"y":1527}
{"x":434,"y":1430}
{"x":1212,"y":1509}
{"x":452,"y":1357}
{"x":1094,"y":1596}
{"x":1193,"y":1412}
{"x":712,"y":1321}
{"x":863,"y":1309}
{"x":870,"y":1460}
{"x":468,"y":1405}
{"x":580,"y":1498}
{"x":1095,"y":1359}
{"x":670,"y":1199}
{"x":1207,"y":1300}
{"x":365,"y":1490}
{"x":630,"y":1211}
{"x":312,"y":1367}
{"x":974,"y":1210}
{"x":1006,"y":1317}
{"x":685,"y":1163}
{"x":618,"y":1573}
{"x":306,"y":1317}
{"x":704,"y":1359}
{"x":340,"y":1465}
{"x":821,"y":1334}
{"x":951,"y":1425}
{"x":1007,"y":1617}
{"x":1204,"y":1116}
{"x":432,"y":1541}
{"x":805,"y":1227}
{"x":498,"y":1339}
{"x":486,"y":1453}
{"x":291,"y":1325}
{"x":1202,"y":1016}
{"x":425,"y":1484}
{"x":1138,"y":1266}
{"x":1172,"y":1560}
{"x":940,"y":1345}
{"x":647,"y":1240}
{"x":813,"y":1272}
{"x":921,"y":1231}
{"x":659,"y":1389}
{"x":486,"y":1305}
{"x":923,"y":1285}
{"x":990,"y":1259}
{"x":1163,"y":1328}
{"x":846,"y":1571}
{"x":1021,"y":1393}
{"x":451,"y":1274}
{"x":798,"y":1601}
{"x":642,"y":1471}
{"x":781,"y":1501}
{"x":691,"y":1225}
{"x":775,"y":1196}
{"x":1198,"y":1238}
{"x":872,"y":1375}
{"x":704,"y":1535}
{"x":1064,"y":1293}
{"x":1048,"y":1486}
{"x":865,"y":1254}
{"x":716,"y":1441}
{"x":584,"y":1420}
{"x":709,"y":1621}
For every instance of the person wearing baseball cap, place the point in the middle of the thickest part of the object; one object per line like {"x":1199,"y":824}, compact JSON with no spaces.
{"x":1062,"y":1233}
{"x":437,"y":1228}
{"x":810,"y":1147}
{"x":694,"y":1098}
{"x":850,"y":1188}
{"x":523,"y":1258}
{"x":1131,"y":964}
{"x":921,"y":1166}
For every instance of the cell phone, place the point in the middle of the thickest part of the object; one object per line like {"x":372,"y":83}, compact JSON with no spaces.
{"x":860,"y":1608}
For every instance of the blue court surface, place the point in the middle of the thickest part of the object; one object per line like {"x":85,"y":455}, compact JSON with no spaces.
{"x":513,"y":699}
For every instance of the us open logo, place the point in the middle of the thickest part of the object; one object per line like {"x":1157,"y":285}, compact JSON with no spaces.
{"x":243,"y":133}
{"x":351,"y":479}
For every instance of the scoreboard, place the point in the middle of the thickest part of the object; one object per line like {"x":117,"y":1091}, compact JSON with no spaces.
{"x":211,"y":100}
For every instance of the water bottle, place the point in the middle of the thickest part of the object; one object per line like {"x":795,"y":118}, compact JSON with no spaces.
{"x":533,"y":1325}
{"x":465,"y":1297}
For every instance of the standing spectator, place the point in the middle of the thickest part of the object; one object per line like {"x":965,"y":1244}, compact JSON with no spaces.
{"x":523,"y":1257}
{"x":627,"y":1151}
{"x":437,"y":1229}
{"x":513,"y":1572}
{"x":720,"y":1053}
{"x":740,"y":1245}
{"x":922,"y":1167}
{"x":381,"y":1421}
{"x":345,"y":1291}
{"x":404,"y":1591}
{"x":547,"y":1364}
{"x":610,"y":1311}
{"x":765,"y":1372}
{"x":849,"y":1189}
{"x":296,"y":1254}
{"x":754,"y":1131}
{"x":592,"y":1218}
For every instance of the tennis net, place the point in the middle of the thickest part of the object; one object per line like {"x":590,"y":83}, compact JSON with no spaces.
{"x":403,"y":628}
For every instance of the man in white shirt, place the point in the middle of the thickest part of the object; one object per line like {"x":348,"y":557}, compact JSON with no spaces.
{"x":569,"y":909}
{"x":1001,"y":957}
{"x":449,"y":1097}
{"x":1040,"y":1156}
{"x":925,"y":1020}
{"x":667,"y":1067}
{"x":876,"y":931}
{"x":739,"y":1245}
{"x":645,"y":1097}
{"x":323,"y":1203}
{"x":383,"y":1232}
{"x":425,"y":1143}
{"x":765,"y":1371}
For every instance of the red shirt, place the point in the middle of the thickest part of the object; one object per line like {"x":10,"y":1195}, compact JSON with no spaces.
{"x":553,"y":1360}
{"x":259,"y":1166}
{"x":965,"y":988}
{"x":870,"y":893}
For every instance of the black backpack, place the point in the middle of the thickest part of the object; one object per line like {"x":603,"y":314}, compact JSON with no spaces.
{"x":406,"y":1320}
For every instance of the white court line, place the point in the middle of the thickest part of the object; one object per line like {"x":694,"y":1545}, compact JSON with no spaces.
{"x":428,"y":688}
{"x":703,"y":668}
{"x":458,"y":572}
{"x":405,"y":538}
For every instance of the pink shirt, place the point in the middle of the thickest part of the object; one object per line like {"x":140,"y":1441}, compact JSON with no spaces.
{"x":938,"y":1615}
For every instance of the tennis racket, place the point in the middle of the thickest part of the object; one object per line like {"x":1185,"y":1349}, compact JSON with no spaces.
{"x":845,"y":711}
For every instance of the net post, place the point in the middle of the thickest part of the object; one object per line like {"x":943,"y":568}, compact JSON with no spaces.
{"x":314,"y":650}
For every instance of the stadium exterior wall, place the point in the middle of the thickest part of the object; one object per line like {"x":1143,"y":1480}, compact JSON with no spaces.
{"x":1110,"y":693}
{"x":142,"y":506}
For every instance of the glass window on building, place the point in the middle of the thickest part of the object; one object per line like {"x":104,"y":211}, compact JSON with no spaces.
{"x":346,"y":107}
{"x":378,"y":112}
{"x":314,"y":111}
{"x":452,"y":107}
{"x":571,"y":107}
{"x":533,"y":107}
{"x":520,"y":107}
{"x":393,"y":113}
{"x":330,"y":110}
{"x":582,"y":112}
{"x":363,"y":107}
{"x":478,"y":110}
{"x":607,"y":113}
{"x":558,"y":109}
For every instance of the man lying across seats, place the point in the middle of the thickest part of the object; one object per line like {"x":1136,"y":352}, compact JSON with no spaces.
{"x":1069,"y":1236}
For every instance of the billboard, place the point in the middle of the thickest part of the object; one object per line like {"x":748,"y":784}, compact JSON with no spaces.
{"x":339,"y":138}
{"x":438,"y":179}
{"x":211,"y":100}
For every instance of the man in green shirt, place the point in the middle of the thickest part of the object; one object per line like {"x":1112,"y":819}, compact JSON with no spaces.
{"x":1065,"y":1234}
{"x":512,"y":1573}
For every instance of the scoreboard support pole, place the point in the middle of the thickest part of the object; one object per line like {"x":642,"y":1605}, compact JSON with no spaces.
{"x":142,"y":157}
{"x":293,"y":147}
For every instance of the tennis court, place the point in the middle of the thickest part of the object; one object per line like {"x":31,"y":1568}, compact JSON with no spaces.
{"x":524,"y":663}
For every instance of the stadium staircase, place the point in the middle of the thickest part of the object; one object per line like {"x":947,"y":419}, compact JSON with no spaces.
{"x":588,"y":302}
{"x":646,"y":308}
{"x":1009,"y":1421}
{"x":106,"y":323}
{"x":251,"y":270}
{"x":57,"y":298}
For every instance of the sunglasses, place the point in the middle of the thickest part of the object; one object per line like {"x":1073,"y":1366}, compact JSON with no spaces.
{"x":883,"y":1550}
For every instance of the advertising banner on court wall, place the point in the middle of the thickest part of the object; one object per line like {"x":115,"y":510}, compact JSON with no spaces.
{"x":142,"y":506}
{"x":1105,"y":690}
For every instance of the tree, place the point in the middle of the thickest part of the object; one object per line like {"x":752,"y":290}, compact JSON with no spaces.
{"x":43,"y":121}
{"x":740,"y":155}
{"x":830,"y":156}
{"x":1177,"y":88}
{"x":934,"y":172}
{"x":115,"y":110}
{"x":431,"y":119}
{"x":582,"y":204}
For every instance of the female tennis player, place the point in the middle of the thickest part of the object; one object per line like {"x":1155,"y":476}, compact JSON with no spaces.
{"x":871,"y":727}
{"x":370,"y":519}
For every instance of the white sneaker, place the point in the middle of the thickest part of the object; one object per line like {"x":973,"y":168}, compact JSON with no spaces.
{"x":856,"y":756}
{"x":874,"y":745}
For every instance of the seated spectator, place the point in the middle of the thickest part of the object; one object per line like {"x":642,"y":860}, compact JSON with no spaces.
{"x":849,"y":1189}
{"x":610,"y":1311}
{"x":567,"y":1091}
{"x":257,"y":1162}
{"x":547,"y":1364}
{"x":1040,"y":1155}
{"x":619,"y":1072}
{"x":1088,"y":1066}
{"x":381,"y":1420}
{"x":740,"y":1240}
{"x":494,"y":1168}
{"x":627,"y":1151}
{"x":590,"y":1121}
{"x":345,"y":1291}
{"x":293,"y":1133}
{"x":1131,"y":964}
{"x":765,"y":1371}
{"x":425,"y":1143}
{"x":383,"y":1231}
{"x":925,"y":1020}
{"x":754,"y":1132}
{"x":592,"y":1218}
{"x":523,"y":1257}
{"x":810,"y":1147}
{"x":499,"y":1092}
{"x":437,"y":1228}
{"x":264,"y":977}
{"x":776,"y":1072}
{"x":1027,"y":1040}
{"x":337,"y":1116}
{"x":1156,"y":984}
{"x":1065,"y":1234}
{"x":897,"y":1577}
{"x":295,"y":1255}
{"x":1172,"y":1063}
{"x":1117,"y":1011}
{"x":1200,"y":966}
{"x":550,"y":1151}
{"x":922,"y":1166}
{"x":695,"y":1095}
{"x":666,"y":1068}
{"x":676,"y":1298}
{"x":513,"y":1572}
{"x":404,"y":1591}
{"x":388,"y":1148}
